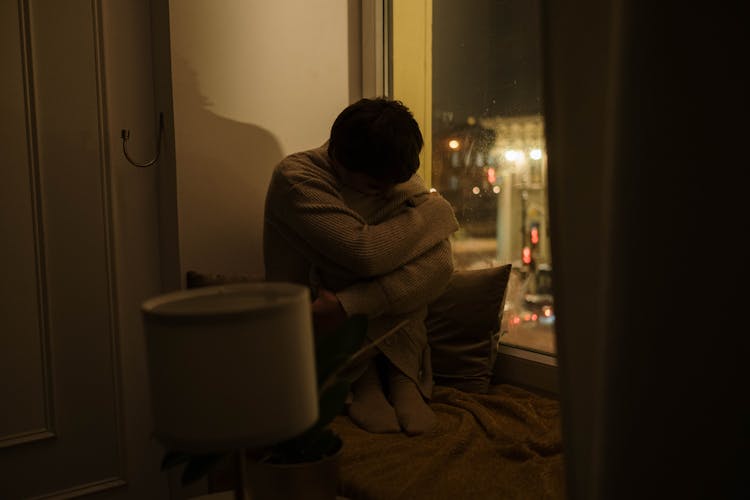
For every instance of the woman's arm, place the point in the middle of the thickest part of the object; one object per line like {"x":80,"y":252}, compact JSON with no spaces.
{"x":408,"y":288}
{"x":312,"y":213}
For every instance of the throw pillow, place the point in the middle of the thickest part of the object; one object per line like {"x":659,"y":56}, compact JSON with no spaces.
{"x":461,"y":328}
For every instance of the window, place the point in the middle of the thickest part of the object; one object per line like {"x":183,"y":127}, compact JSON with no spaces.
{"x":471,"y":71}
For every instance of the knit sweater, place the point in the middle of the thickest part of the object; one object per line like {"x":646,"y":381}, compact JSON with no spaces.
{"x":386,"y":256}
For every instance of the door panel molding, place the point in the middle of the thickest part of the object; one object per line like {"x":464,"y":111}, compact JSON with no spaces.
{"x":84,"y":489}
{"x":66,"y":437}
{"x":30,"y":436}
{"x":109,"y":243}
{"x":41,"y":388}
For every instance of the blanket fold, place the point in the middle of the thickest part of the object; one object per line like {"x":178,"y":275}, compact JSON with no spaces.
{"x":502,"y":445}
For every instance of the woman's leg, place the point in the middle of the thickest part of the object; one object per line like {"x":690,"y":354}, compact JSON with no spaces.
{"x":369,"y":408}
{"x":414,"y":414}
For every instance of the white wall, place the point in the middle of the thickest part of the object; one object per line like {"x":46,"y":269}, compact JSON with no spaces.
{"x":253,"y":81}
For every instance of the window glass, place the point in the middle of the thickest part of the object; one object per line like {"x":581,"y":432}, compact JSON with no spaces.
{"x":488,"y":152}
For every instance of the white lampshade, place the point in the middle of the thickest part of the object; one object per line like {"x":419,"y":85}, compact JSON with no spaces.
{"x":231,"y":366}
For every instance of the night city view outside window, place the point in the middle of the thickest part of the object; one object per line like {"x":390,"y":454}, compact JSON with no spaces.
{"x":488,"y":152}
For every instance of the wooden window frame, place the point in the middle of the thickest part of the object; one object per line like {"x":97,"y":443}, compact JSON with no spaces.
{"x":397,"y":62}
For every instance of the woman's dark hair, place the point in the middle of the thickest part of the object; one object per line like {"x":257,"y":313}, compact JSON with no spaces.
{"x":378,"y":137}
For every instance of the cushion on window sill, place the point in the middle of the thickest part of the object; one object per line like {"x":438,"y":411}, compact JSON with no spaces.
{"x":461,"y":328}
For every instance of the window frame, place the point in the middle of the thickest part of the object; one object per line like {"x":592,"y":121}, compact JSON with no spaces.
{"x":397,"y":62}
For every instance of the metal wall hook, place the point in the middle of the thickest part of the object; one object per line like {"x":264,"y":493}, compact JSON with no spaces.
{"x":125,"y":135}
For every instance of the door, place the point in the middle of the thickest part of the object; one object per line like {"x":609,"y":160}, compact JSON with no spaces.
{"x":81,"y":249}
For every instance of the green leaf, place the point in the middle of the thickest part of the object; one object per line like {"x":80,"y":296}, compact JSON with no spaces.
{"x":334,"y":349}
{"x":309,"y":447}
{"x":173,"y":459}
{"x":331,"y":402}
{"x":346,"y":369}
{"x":199,"y":466}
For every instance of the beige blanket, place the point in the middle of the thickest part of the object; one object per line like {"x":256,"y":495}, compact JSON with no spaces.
{"x":504,"y":445}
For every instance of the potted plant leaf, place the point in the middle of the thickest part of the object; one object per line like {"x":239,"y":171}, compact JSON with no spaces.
{"x":311,"y":455}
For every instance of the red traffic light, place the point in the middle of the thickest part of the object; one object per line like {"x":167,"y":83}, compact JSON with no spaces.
{"x":526,"y":255}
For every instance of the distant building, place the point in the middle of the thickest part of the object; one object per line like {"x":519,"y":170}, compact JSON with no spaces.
{"x":494,"y":173}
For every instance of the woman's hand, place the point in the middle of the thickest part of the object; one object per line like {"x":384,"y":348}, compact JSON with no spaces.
{"x":327,"y":311}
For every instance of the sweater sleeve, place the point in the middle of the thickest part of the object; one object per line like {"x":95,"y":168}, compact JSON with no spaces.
{"x":408,"y":288}
{"x":316,"y":213}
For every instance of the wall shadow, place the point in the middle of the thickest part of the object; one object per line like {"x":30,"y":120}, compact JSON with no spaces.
{"x":223,"y":170}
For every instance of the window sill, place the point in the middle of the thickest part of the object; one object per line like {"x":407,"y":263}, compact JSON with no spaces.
{"x":528,"y":369}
